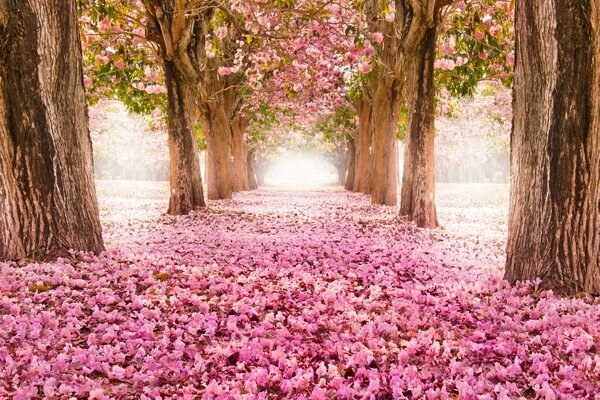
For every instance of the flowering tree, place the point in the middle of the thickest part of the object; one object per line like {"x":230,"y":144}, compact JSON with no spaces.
{"x":397,"y":51}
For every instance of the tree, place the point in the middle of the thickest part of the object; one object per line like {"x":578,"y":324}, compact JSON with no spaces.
{"x":177,"y":35}
{"x":554,"y":222}
{"x":239,"y":154}
{"x":418,"y":181}
{"x":362,"y":147}
{"x":47,"y":196}
{"x":351,"y":161}
{"x":399,"y":50}
{"x":406,"y":33}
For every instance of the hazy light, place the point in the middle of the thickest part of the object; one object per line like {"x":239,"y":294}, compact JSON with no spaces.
{"x":300,"y":170}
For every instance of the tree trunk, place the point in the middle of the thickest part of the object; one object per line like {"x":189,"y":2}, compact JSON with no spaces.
{"x":418,"y":182}
{"x":185,"y":181}
{"x":251,"y":172}
{"x":351,"y":164}
{"x":239,"y":156}
{"x":369,"y":174}
{"x":341,"y":172}
{"x":260,"y":167}
{"x":385,"y":164}
{"x":363,"y":146}
{"x":215,"y":124}
{"x":47,"y":193}
{"x":554,"y":222}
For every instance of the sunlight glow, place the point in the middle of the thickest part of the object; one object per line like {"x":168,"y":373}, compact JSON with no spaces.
{"x":300,"y":170}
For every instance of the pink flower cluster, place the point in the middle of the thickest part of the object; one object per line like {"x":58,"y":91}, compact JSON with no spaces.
{"x":299,"y":295}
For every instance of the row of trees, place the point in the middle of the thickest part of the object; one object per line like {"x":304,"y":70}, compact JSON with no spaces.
{"x":221,"y":60}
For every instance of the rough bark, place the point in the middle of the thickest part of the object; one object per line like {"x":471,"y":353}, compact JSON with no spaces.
{"x":47,"y":193}
{"x":351,"y":164}
{"x":239,"y":155}
{"x":178,"y":39}
{"x":251,"y":170}
{"x":215,"y":123}
{"x":386,"y":100}
{"x":402,"y":39}
{"x":363,"y":148}
{"x":554,"y":222}
{"x":185,"y":180}
{"x":418,"y":182}
{"x":260,"y":168}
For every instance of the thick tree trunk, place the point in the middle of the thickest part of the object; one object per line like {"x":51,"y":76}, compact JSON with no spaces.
{"x":215,"y":123}
{"x":418,"y":183}
{"x":185,"y":179}
{"x":554,"y":222}
{"x":385,"y":163}
{"x":251,"y":171}
{"x":363,"y":148}
{"x":351,"y":164}
{"x":47,"y":193}
{"x":239,"y":155}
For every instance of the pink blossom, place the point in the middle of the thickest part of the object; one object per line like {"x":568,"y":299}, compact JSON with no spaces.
{"x":365,"y":67}
{"x":224,"y":71}
{"x":377,"y":37}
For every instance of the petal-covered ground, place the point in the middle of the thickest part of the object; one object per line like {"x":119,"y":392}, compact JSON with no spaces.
{"x":289,"y":294}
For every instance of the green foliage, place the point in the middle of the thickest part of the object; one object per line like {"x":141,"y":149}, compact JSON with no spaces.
{"x":118,"y":62}
{"x":336,"y":127}
{"x":485,"y":40}
{"x":201,"y":138}
{"x":488,"y":90}
{"x":402,"y":125}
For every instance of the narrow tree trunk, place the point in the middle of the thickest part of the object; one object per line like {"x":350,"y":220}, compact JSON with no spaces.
{"x":363,"y":146}
{"x":351,"y":164}
{"x":341,"y":172}
{"x":418,"y":183}
{"x":369,"y":174}
{"x":385,"y":164}
{"x":554,"y":222}
{"x":218,"y":133}
{"x":251,"y":170}
{"x":185,"y":180}
{"x":259,"y":170}
{"x":47,"y":193}
{"x":239,"y":156}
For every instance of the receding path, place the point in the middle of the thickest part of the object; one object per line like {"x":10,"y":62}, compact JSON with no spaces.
{"x":292,"y":294}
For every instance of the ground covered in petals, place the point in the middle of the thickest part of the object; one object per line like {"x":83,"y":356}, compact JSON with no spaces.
{"x":289,"y":294}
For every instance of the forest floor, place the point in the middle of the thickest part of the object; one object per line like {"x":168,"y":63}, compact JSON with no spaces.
{"x":292,"y":294}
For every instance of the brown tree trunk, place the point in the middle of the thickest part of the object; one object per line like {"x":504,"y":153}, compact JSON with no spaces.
{"x":215,"y":123}
{"x":251,"y":171}
{"x":341,"y":172}
{"x":47,"y":193}
{"x":260,"y":166}
{"x":369,"y":174}
{"x":554,"y":222}
{"x":185,"y":180}
{"x":363,"y":146}
{"x":351,"y":164}
{"x":239,"y":155}
{"x":418,"y":182}
{"x":385,"y":163}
